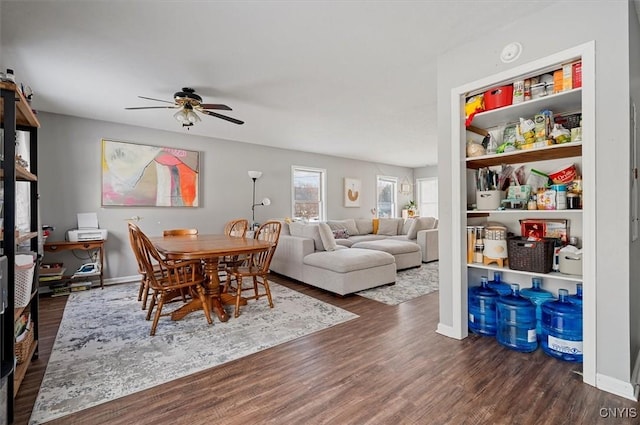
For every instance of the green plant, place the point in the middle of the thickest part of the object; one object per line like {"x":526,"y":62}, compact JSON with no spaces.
{"x":410,"y":205}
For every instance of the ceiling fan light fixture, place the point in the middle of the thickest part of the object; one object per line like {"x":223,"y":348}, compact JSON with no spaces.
{"x":181,"y":116}
{"x":192,"y":117}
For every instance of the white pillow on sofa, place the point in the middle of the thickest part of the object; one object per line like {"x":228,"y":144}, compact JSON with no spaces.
{"x":421,"y":223}
{"x":364,"y":225}
{"x":310,"y":231}
{"x":326,"y":235}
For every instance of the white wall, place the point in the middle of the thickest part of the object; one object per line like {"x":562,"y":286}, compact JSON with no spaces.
{"x":581,"y":22}
{"x":70,"y":180}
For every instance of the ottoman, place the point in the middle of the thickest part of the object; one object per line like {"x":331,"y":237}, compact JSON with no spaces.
{"x":407,"y":254}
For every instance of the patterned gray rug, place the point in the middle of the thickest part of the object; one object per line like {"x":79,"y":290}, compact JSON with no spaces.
{"x":103,"y":350}
{"x":410,"y":284}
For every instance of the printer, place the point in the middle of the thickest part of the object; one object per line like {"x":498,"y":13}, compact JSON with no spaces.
{"x":87,"y":230}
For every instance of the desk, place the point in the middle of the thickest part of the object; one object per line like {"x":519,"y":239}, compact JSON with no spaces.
{"x":58,"y":246}
{"x":207,"y":248}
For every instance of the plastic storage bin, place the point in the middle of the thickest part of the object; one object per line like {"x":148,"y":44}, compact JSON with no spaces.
{"x":516,"y":321}
{"x":489,"y":199}
{"x":498,"y":97}
{"x":562,"y":328}
{"x":482,"y":308}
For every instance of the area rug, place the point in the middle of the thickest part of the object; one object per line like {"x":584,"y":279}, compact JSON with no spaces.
{"x":410,"y":284}
{"x":103,"y":350}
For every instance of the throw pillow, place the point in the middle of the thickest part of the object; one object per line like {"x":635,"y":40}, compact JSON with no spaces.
{"x":388,"y":227}
{"x":341,"y":234}
{"x":307,"y":231}
{"x":326,"y":235}
{"x":420,"y":223}
{"x":406,"y":226}
{"x":376,"y":223}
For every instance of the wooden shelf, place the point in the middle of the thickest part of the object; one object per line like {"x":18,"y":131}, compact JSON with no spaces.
{"x":565,"y":150}
{"x":554,"y":275}
{"x":24,"y":114}
{"x":560,"y":103}
{"x":21,"y":369}
{"x":22,"y":237}
{"x":22,"y":174}
{"x":484,"y":213}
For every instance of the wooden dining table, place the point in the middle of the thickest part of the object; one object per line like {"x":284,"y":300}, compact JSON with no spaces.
{"x":208,"y":248}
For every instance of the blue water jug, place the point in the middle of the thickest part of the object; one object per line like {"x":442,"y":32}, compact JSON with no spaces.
{"x":482,"y":308}
{"x":577,"y":297}
{"x":498,"y":285}
{"x":562,"y":328}
{"x":537,"y":295}
{"x":516,"y":318}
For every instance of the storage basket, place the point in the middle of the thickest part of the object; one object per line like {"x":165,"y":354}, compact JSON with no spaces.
{"x":498,"y":97}
{"x":23,"y":284}
{"x":531,"y":256}
{"x":22,"y":348}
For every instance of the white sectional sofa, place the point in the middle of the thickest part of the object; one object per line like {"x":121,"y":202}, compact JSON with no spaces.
{"x":312,"y":254}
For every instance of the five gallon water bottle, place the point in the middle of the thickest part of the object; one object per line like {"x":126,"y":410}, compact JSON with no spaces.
{"x":562,"y":328}
{"x":576,"y":298}
{"x":482,"y":308}
{"x":537,"y":295}
{"x":516,"y":321}
{"x":498,"y":285}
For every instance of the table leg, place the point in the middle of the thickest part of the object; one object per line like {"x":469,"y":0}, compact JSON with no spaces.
{"x":212,"y":288}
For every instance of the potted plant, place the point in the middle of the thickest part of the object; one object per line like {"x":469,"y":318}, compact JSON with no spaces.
{"x":411,"y":208}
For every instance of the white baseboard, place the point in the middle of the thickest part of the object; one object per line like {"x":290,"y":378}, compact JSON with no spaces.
{"x":617,"y":387}
{"x":447,"y":330}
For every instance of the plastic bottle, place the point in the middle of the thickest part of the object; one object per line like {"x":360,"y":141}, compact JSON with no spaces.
{"x":576,"y":298}
{"x":516,"y":321}
{"x":537,"y":295}
{"x":482,"y":308}
{"x":498,"y":285}
{"x":562,"y":329}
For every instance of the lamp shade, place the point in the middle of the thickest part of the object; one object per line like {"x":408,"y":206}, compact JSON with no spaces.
{"x":266,"y":201}
{"x":254,"y":174}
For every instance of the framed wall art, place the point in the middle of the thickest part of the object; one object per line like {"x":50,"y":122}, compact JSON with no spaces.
{"x":143,"y":175}
{"x":352,"y":188}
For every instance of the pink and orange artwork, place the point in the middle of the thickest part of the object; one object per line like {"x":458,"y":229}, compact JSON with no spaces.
{"x":143,"y":175}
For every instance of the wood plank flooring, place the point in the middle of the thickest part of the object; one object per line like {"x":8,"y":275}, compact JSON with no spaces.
{"x":386,"y":367}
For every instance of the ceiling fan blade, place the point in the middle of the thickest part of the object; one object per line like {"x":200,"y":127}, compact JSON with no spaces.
{"x":215,"y":106}
{"x":153,"y":107}
{"x":224,"y":117}
{"x":157,"y":100}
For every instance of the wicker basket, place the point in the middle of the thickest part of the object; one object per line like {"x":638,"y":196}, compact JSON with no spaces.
{"x":531,"y":256}
{"x":23,"y":347}
{"x":24,"y":283}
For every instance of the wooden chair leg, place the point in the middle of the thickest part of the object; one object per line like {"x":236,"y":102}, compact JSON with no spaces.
{"x":152,"y":304}
{"x":157,"y":316}
{"x":145,"y":294}
{"x":238,"y":295}
{"x":255,"y":287}
{"x":141,"y":289}
{"x":265,"y":282}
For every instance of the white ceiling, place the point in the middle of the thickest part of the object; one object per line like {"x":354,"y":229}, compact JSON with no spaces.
{"x":355,"y":79}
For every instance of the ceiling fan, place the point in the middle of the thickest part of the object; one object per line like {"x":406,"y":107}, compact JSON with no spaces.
{"x":188,"y":102}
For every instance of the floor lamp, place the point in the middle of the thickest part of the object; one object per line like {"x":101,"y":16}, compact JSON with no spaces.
{"x":255,"y":175}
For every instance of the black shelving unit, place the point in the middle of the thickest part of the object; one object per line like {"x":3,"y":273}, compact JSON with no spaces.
{"x":16,"y":115}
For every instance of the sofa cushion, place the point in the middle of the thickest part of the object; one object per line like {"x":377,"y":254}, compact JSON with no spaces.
{"x":326,"y":235}
{"x":421,"y":223}
{"x":349,"y":224}
{"x":406,"y":226}
{"x":364,"y":225}
{"x":349,"y":259}
{"x":388,"y":227}
{"x":306,"y":230}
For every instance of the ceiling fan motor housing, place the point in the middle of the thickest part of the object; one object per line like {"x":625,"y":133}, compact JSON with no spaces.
{"x":187,"y":96}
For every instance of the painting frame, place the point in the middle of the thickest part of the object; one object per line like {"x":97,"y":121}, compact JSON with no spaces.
{"x":352,"y":192}
{"x":139,"y":175}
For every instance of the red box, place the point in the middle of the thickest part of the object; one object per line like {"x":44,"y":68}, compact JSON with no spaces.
{"x":498,"y":97}
{"x":576,"y":71}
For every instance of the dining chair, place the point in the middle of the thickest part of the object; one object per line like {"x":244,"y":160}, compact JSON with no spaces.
{"x":256,"y":267}
{"x":171,"y":281}
{"x":136,"y":246}
{"x":179,"y":232}
{"x":236,"y":228}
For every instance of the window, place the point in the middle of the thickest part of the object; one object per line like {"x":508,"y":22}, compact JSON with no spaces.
{"x":387,"y":196}
{"x":308,"y":189}
{"x":428,"y":197}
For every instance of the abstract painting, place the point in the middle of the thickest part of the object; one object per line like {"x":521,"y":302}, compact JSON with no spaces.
{"x":351,"y":192}
{"x":142,"y":175}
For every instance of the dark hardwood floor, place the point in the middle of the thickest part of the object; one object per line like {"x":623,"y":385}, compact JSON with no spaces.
{"x":386,"y":367}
